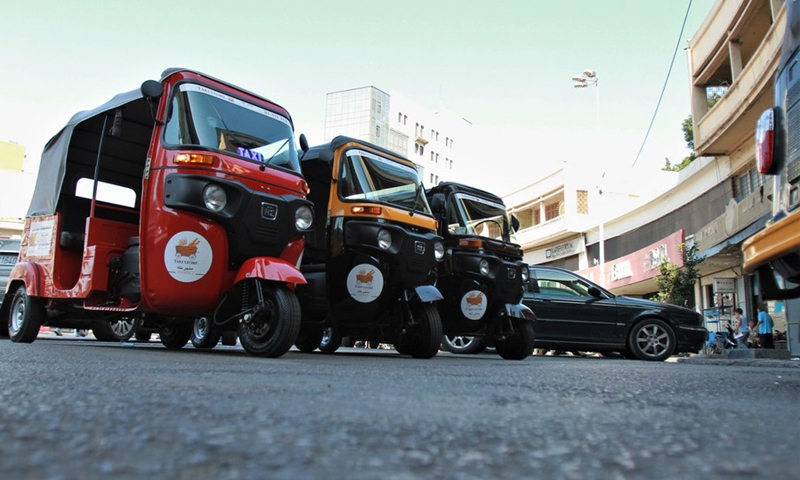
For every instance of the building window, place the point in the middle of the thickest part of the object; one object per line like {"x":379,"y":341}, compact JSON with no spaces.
{"x":582,"y":201}
{"x":437,"y":157}
{"x":537,"y":217}
{"x":431,"y":156}
{"x":377,"y":131}
{"x":378,"y":108}
{"x":551,"y":211}
{"x":405,"y":118}
{"x":416,"y":130}
{"x":747,"y":183}
{"x":446,"y":141}
{"x":399,"y":117}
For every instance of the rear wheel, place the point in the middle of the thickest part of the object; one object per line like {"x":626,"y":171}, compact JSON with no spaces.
{"x":651,"y":339}
{"x":175,"y":336}
{"x":25,"y":316}
{"x":463,"y":344}
{"x":272,"y":330}
{"x":517,"y":345}
{"x":204,"y":333}
{"x":331,"y":340}
{"x":308,"y":340}
{"x":120,"y":330}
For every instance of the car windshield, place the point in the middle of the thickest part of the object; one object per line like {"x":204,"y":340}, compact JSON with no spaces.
{"x":202,"y":117}
{"x":366,"y":176}
{"x":471,"y":215}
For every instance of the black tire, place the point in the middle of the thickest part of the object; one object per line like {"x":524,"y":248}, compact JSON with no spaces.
{"x":422,"y":339}
{"x":176,"y":335}
{"x":273,"y":330}
{"x":330,"y":341}
{"x":229,"y":338}
{"x":652,"y":340}
{"x":142,"y":336}
{"x":25,"y":316}
{"x":205,"y":334}
{"x":308,"y":340}
{"x":519,"y":345}
{"x":463,"y":344}
{"x":120,"y":330}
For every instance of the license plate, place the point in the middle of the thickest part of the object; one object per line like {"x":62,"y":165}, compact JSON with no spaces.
{"x":8,"y":259}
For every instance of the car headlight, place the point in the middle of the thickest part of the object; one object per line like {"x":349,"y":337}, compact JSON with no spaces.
{"x":384,"y":239}
{"x":438,"y":250}
{"x":524,"y":274}
{"x":483,"y":267}
{"x":303,"y":218}
{"x":214,"y":197}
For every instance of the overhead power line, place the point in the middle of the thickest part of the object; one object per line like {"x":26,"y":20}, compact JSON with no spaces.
{"x":666,"y":80}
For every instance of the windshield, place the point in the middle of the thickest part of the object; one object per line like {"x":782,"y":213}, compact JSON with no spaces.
{"x":202,"y":117}
{"x":471,"y":215}
{"x":366,"y":176}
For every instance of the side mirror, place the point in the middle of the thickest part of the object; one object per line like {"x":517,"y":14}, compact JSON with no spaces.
{"x":151,"y":89}
{"x":514,"y":223}
{"x":303,"y":142}
{"x":595,"y":292}
{"x":437,"y":202}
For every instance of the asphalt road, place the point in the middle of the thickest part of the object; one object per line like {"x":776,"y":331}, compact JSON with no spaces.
{"x":84,"y":409}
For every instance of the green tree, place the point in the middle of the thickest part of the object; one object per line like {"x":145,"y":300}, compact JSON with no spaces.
{"x":712,"y":96}
{"x":676,"y":284}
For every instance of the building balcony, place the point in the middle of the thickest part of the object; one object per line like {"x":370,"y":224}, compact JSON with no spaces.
{"x":745,"y":67}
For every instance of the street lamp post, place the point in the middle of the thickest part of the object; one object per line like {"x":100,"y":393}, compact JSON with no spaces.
{"x":583,"y":80}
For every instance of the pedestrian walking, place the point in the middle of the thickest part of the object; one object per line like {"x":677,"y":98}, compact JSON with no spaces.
{"x":764,"y":326}
{"x":741,"y":327}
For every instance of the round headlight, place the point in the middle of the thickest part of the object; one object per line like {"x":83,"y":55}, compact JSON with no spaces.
{"x":438,"y":250}
{"x":524,"y":274}
{"x":484,"y":267}
{"x":384,"y":239}
{"x":303,"y":218}
{"x":214,"y":197}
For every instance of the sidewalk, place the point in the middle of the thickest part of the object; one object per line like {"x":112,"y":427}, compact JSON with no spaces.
{"x":754,"y":357}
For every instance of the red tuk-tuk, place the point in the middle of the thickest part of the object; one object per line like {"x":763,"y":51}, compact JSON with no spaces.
{"x":179,"y":200}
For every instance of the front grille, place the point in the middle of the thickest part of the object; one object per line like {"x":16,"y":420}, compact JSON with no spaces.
{"x":266,"y":234}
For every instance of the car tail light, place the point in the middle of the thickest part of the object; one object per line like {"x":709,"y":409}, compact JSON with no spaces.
{"x":765,"y":141}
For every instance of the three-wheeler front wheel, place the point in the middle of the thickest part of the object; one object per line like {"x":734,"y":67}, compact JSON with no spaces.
{"x":517,"y":344}
{"x":308,"y":340}
{"x":274,"y":328}
{"x":25,"y":316}
{"x":424,"y":335}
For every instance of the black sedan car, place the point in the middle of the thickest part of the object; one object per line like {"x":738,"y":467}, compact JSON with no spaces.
{"x":573,"y":313}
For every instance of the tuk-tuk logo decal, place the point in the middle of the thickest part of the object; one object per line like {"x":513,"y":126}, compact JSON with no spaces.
{"x":188,"y":256}
{"x":419,"y":248}
{"x":473,"y":304}
{"x":365,"y":283}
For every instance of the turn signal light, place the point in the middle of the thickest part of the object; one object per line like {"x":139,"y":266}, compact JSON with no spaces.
{"x":194,"y":158}
{"x":765,"y":142}
{"x":469,"y":243}
{"x":367,"y":210}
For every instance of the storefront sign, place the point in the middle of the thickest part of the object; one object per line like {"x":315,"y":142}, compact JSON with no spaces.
{"x":724,"y":285}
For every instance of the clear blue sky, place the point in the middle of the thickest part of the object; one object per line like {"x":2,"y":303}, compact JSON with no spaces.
{"x":504,"y":65}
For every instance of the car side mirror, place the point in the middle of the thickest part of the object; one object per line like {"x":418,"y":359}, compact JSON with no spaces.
{"x":595,"y":292}
{"x":303,"y":142}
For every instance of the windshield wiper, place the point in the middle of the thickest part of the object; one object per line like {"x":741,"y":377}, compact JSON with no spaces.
{"x":267,"y":161}
{"x":416,"y":199}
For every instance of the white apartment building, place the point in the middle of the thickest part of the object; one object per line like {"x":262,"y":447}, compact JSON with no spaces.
{"x":435,"y":139}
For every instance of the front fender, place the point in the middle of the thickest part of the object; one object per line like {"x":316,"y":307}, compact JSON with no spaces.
{"x":423,"y":294}
{"x":519,"y":311}
{"x":273,"y":269}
